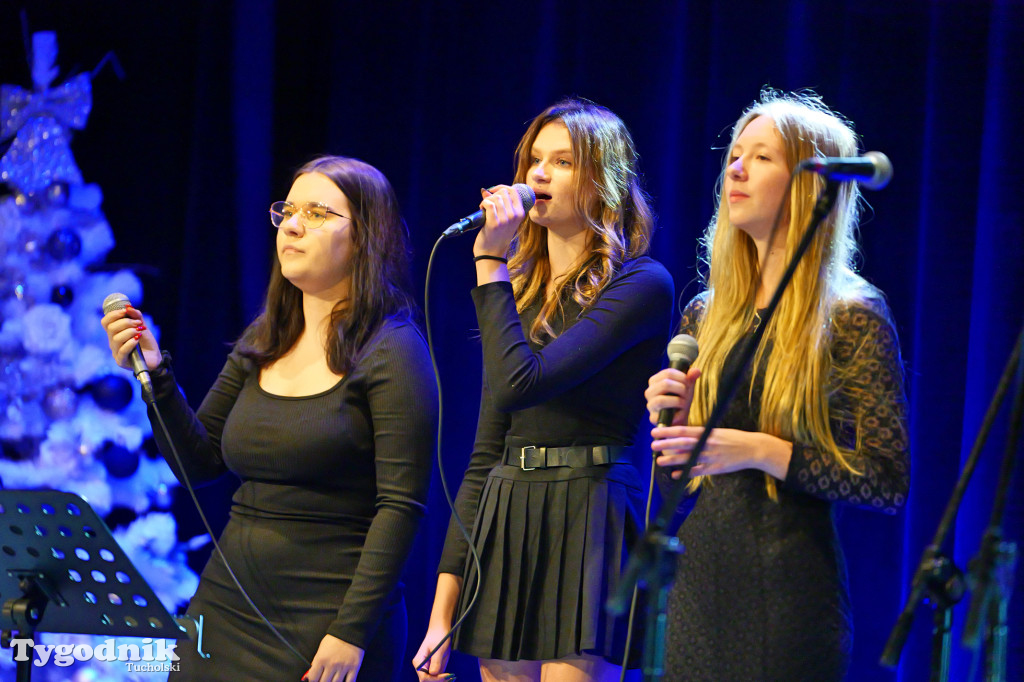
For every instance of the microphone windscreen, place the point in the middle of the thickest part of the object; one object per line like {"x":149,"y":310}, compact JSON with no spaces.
{"x":682,"y":347}
{"x":526,"y":194}
{"x":115,"y":302}
{"x":883,"y":170}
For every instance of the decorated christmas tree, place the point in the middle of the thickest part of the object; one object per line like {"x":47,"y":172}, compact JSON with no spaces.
{"x":70,"y":418}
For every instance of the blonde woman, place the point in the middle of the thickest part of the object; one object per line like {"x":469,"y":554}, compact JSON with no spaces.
{"x":570,"y":329}
{"x":760,"y":592}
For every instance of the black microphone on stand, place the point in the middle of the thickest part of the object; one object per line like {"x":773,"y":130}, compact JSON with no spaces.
{"x":872,"y":171}
{"x":682,"y":351}
{"x":475,"y":221}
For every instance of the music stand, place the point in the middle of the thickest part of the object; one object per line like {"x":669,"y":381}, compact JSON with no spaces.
{"x":62,"y":571}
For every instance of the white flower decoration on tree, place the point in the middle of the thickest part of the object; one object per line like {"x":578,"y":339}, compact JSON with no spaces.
{"x":46,"y":329}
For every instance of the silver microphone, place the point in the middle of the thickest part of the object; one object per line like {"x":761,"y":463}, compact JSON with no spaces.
{"x":139,"y":367}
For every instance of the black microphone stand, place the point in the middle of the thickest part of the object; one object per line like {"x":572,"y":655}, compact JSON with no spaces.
{"x":990,"y":575}
{"x":939,"y":577}
{"x":652,"y":561}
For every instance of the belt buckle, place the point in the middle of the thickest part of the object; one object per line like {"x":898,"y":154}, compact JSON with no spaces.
{"x":522,"y":458}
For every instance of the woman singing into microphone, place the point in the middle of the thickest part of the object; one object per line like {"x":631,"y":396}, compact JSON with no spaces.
{"x":311,"y":413}
{"x":760,"y":592}
{"x":570,"y":329}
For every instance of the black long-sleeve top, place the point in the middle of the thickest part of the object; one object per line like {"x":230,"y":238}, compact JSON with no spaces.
{"x":583,"y":387}
{"x":354,"y":455}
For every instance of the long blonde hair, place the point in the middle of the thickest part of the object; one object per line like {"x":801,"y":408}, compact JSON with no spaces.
{"x":798,"y":373}
{"x":609,"y":199}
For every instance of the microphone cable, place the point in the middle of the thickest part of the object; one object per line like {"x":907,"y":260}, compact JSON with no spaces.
{"x":636,"y":588}
{"x":117,"y":301}
{"x":440,"y":464}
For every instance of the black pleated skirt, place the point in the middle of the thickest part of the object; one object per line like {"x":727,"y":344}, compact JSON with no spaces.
{"x":552,"y":544}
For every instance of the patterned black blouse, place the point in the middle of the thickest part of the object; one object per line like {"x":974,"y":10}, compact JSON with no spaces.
{"x":760,"y":591}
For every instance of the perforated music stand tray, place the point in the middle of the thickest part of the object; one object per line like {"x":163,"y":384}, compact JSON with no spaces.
{"x":62,"y":571}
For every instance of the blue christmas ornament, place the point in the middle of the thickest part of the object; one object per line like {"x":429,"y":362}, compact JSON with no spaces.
{"x":119,"y":460}
{"x":120,"y":516}
{"x":64,"y":244}
{"x":18,"y":449}
{"x":150,"y":449}
{"x":62,"y":295}
{"x":111,"y":392}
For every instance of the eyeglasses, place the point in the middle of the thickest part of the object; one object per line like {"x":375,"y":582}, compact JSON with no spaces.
{"x":311,"y":214}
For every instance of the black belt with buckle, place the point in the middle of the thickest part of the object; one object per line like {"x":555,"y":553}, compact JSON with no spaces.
{"x":531,"y":457}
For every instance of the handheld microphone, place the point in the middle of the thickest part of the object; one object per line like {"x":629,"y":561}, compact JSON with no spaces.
{"x":139,"y":367}
{"x":475,"y":221}
{"x":682,"y":351}
{"x":872,"y":171}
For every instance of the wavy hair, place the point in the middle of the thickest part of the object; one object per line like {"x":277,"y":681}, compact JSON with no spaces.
{"x":380,"y":274}
{"x":799,"y":374}
{"x":608,"y":198}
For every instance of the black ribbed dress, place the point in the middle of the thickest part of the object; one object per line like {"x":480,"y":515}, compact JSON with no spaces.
{"x":333,"y":489}
{"x":760,"y":592}
{"x":553,"y":541}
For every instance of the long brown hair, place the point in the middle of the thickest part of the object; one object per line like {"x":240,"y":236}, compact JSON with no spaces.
{"x":609,"y":199}
{"x":380,"y":274}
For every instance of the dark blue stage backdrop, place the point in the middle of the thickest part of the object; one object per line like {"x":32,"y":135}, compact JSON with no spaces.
{"x":222,"y":100}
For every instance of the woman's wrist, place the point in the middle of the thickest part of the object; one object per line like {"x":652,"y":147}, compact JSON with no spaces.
{"x":773,"y":456}
{"x":491,"y":269}
{"x":446,"y":600}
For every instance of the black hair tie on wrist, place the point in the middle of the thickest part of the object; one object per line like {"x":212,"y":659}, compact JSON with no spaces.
{"x":486,"y":257}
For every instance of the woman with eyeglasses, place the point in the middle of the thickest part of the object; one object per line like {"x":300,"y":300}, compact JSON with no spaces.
{"x":819,"y":420}
{"x":310,"y":413}
{"x":572,"y":324}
